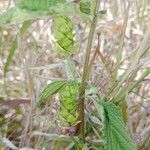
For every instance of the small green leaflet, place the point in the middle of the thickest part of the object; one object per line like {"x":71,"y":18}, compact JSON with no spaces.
{"x":17,"y":15}
{"x":49,"y":90}
{"x":68,"y":102}
{"x":114,"y":130}
{"x":63,"y":32}
{"x":85,"y":6}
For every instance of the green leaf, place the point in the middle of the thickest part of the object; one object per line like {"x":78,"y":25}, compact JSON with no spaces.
{"x":32,"y":9}
{"x":17,"y":15}
{"x":38,"y":4}
{"x":2,"y":122}
{"x":10,"y":56}
{"x":24,"y":27}
{"x":114,"y":130}
{"x":63,"y":32}
{"x":68,"y":100}
{"x":49,"y":90}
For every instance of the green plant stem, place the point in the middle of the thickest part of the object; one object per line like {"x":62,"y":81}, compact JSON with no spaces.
{"x":85,"y":69}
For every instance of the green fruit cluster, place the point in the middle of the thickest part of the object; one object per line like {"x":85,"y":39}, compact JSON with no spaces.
{"x":68,"y":102}
{"x":63,"y":33}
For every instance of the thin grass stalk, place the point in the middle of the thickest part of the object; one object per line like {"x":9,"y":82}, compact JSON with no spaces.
{"x":121,"y":95}
{"x":121,"y":44}
{"x":143,"y":48}
{"x":139,"y":53}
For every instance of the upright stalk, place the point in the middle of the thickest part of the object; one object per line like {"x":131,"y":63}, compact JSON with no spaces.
{"x":85,"y":68}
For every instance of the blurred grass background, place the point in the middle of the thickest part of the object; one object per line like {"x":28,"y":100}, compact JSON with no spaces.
{"x":123,"y":36}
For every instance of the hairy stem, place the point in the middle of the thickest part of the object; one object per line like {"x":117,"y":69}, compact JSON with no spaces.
{"x":85,"y":69}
